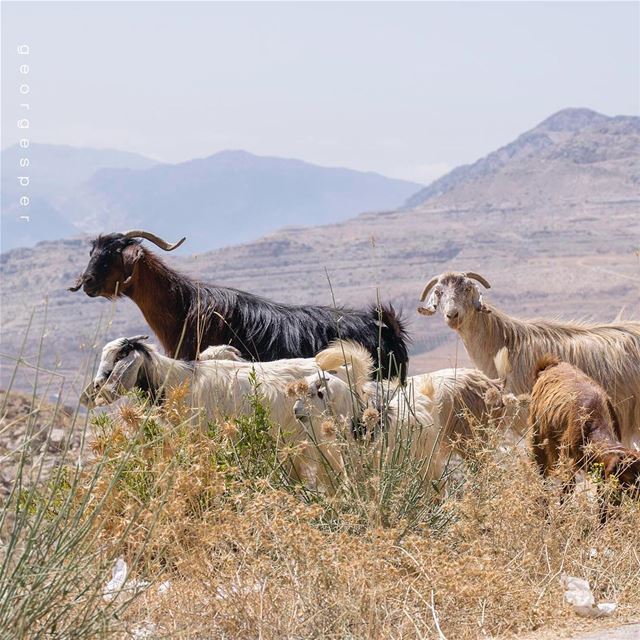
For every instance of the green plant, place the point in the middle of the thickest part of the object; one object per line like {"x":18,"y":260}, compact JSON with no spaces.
{"x":54,"y":561}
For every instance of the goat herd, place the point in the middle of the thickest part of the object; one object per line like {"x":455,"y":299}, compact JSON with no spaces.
{"x":574,"y":386}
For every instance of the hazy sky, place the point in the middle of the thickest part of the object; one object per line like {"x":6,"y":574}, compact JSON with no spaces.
{"x":406,"y":89}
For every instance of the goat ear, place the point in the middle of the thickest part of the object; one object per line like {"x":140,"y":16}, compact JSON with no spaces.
{"x":130,"y":257}
{"x":480,"y":306}
{"x":431,"y":305}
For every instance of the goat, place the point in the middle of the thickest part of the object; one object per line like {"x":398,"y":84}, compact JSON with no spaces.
{"x":464,"y":397}
{"x":607,"y":352}
{"x":467,"y":398}
{"x":441,"y":408}
{"x":572,"y":419}
{"x":221,"y":352}
{"x":188,"y":316}
{"x":401,"y":414}
{"x":218,"y":388}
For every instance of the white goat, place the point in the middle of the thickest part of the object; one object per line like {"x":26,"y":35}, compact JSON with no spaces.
{"x":467,"y":399}
{"x":218,"y":388}
{"x":607,"y":352}
{"x":221,"y":352}
{"x":400,"y":416}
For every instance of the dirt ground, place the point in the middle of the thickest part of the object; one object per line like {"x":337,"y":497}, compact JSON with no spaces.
{"x":600,"y":631}
{"x":625,"y":632}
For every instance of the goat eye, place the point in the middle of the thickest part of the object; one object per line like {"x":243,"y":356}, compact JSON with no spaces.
{"x":320,"y":395}
{"x":124,"y":352}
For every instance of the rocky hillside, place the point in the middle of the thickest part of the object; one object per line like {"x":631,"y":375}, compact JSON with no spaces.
{"x":548,"y":163}
{"x":570,"y":252}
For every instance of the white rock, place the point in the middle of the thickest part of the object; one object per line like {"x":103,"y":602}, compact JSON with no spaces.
{"x":163,"y":587}
{"x":606,"y":608}
{"x":578,"y":593}
{"x":145,"y":630}
{"x":118,"y":578}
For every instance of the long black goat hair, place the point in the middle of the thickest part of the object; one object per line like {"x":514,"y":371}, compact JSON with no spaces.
{"x":188,"y":316}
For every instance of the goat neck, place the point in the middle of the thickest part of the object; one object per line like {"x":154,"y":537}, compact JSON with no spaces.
{"x":486,"y":333}
{"x":483,"y":335}
{"x":154,"y":282}
{"x":163,"y":373}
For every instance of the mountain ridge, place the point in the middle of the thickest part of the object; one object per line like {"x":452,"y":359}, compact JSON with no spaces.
{"x":214,"y":192}
{"x":567,"y":121}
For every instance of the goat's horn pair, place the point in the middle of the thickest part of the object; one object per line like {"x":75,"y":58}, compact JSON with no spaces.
{"x":159,"y":242}
{"x":430,"y":285}
{"x":476,"y":276}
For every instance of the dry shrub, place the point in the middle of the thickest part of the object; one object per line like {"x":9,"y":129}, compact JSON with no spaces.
{"x":251,"y":554}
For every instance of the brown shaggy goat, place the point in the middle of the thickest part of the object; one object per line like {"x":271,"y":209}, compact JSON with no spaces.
{"x":573,"y":420}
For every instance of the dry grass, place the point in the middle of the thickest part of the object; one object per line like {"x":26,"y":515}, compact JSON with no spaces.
{"x":251,"y":554}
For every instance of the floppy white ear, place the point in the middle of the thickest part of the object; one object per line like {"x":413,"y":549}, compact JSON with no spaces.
{"x":123,"y":378}
{"x":125,"y":373}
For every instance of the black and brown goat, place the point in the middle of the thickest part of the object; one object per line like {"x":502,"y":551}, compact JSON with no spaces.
{"x":573,"y":422}
{"x":188,"y":316}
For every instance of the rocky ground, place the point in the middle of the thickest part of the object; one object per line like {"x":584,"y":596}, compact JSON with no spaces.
{"x":42,"y":433}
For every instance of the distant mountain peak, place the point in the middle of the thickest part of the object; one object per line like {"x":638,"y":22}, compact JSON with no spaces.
{"x":241,"y":194}
{"x":234,"y":154}
{"x":572,"y":119}
{"x":566,"y":143}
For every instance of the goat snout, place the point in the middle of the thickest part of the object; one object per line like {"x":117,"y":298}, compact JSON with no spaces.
{"x":300,"y":410}
{"x":90,"y":396}
{"x":104,"y":395}
{"x":90,"y":286}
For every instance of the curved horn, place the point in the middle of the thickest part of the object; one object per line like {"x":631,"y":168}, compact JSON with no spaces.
{"x":159,"y":242}
{"x":476,"y":276}
{"x":430,"y":285}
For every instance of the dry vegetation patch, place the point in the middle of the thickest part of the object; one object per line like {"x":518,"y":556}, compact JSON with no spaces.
{"x":242,"y":551}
